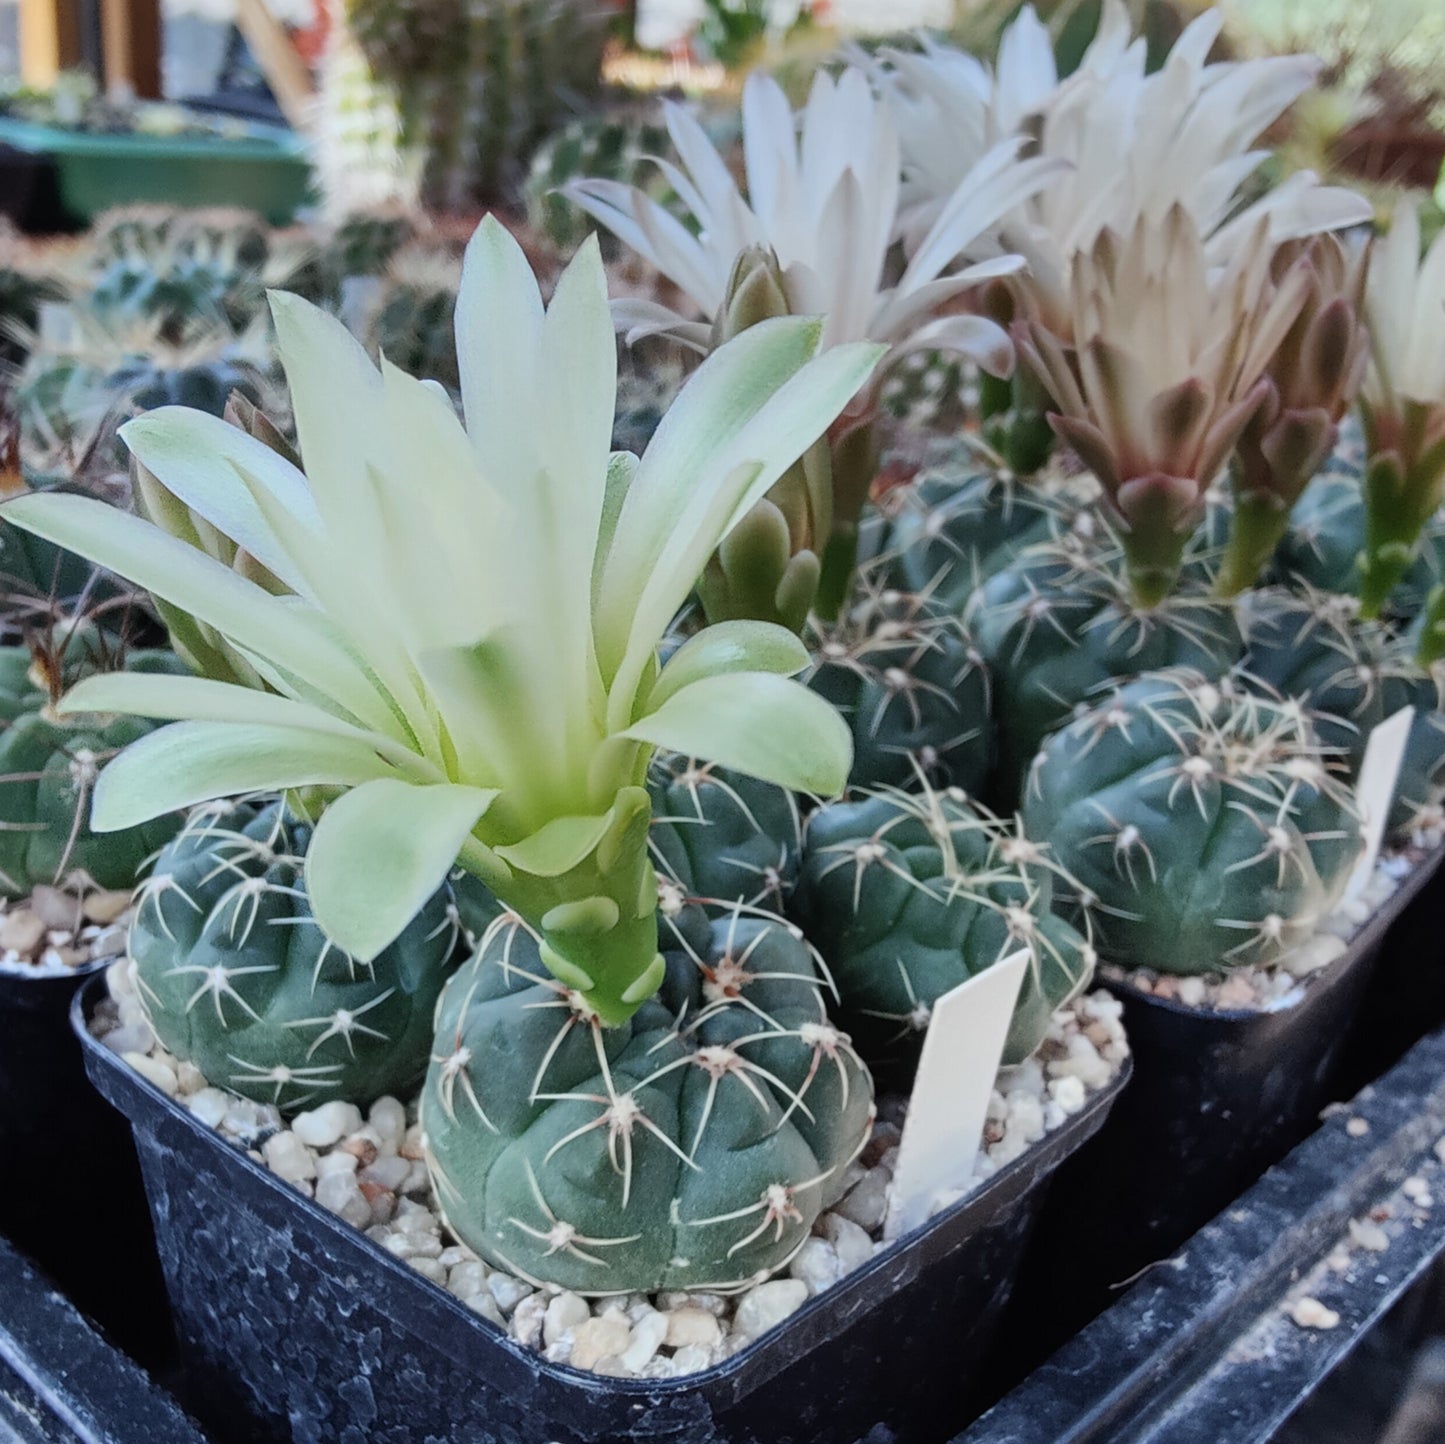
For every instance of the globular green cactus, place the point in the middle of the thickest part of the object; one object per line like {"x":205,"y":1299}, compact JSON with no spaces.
{"x":1059,"y":625}
{"x":690,"y":1147}
{"x":721,"y":836}
{"x":907,"y":895}
{"x":1419,"y":800}
{"x":910,"y":683}
{"x":1202,"y":822}
{"x":1313,"y":647}
{"x":24,"y":288}
{"x":1325,"y":539}
{"x":957,"y":524}
{"x":618,"y":146}
{"x":49,"y":764}
{"x":237,"y":978}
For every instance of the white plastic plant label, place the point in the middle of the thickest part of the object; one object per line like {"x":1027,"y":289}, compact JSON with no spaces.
{"x":949,"y":1106}
{"x":1384,"y":753}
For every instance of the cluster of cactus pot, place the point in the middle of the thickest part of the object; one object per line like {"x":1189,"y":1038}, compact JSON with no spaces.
{"x":631,"y":753}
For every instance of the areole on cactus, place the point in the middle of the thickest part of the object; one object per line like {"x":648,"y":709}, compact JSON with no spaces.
{"x":472,"y":662}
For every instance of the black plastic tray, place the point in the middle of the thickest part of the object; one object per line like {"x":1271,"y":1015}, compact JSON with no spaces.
{"x":76,"y":1205}
{"x":1218,"y":1096}
{"x":294,"y":1325}
{"x":1197,"y":1352}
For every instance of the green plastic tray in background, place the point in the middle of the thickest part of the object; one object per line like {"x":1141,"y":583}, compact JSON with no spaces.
{"x":264,"y":169}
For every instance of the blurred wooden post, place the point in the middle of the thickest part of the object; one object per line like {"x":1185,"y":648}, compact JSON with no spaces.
{"x":49,"y":39}
{"x":131,"y":44}
{"x":280,"y":62}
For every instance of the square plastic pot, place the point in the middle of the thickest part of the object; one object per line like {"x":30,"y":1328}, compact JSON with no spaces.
{"x":1218,"y":1096}
{"x":292,"y":1324}
{"x":264,"y":170}
{"x":72,"y":1198}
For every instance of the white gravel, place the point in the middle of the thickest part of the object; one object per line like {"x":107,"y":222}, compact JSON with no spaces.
{"x":374,"y":1177}
{"x":53,"y":932}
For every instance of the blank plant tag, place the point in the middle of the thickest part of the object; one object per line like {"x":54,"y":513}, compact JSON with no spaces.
{"x":949,"y":1106}
{"x":1379,"y":772}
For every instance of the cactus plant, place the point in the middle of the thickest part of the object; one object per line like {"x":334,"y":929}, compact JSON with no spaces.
{"x":1349,"y":672}
{"x":723,"y":837}
{"x":1060,"y":625}
{"x":621,"y":147}
{"x":690,"y":1147}
{"x":413,"y":314}
{"x":442,"y":101}
{"x":955,"y":525}
{"x":237,"y":977}
{"x":1202,"y":822}
{"x":49,"y":764}
{"x":909,"y":681}
{"x":473,"y":663}
{"x":907,"y":895}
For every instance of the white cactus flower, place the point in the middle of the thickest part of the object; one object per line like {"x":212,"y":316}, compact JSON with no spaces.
{"x":1137,"y":144}
{"x":826,"y":202}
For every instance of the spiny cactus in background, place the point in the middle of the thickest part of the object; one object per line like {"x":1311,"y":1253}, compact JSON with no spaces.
{"x":413,"y":312}
{"x":443,"y":101}
{"x":172,"y":269}
{"x":24,"y":288}
{"x":79,"y":385}
{"x":237,"y":978}
{"x":955,"y":525}
{"x":723,"y":837}
{"x":691,"y":1147}
{"x":909,"y":681}
{"x":619,"y":146}
{"x":1060,"y":624}
{"x":647,"y":384}
{"x":1201,"y":822}
{"x":1325,"y":542}
{"x":1350,"y":673}
{"x":907,"y":895}
{"x":49,"y":763}
{"x":925,"y":389}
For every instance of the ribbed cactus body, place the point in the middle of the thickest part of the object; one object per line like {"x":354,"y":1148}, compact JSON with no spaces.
{"x":721,"y":836}
{"x":691,"y":1147}
{"x":908,"y":895}
{"x":617,"y":147}
{"x":1349,"y":673}
{"x":1201,"y":823}
{"x":48,"y":768}
{"x":238,"y":979}
{"x":954,"y":528}
{"x":1058,"y":626}
{"x":910,"y":683}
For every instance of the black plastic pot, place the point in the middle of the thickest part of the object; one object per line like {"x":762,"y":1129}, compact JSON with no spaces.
{"x":1218,"y":1096}
{"x":61,"y":1383}
{"x":72,"y":1198}
{"x":293,"y":1321}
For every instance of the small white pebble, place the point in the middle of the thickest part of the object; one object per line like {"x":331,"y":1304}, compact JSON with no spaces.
{"x":388,"y":1118}
{"x":466,"y":1279}
{"x":648,"y":1332}
{"x":527,"y":1320}
{"x":1367,"y":1234}
{"x":607,"y":1336}
{"x":287,"y":1157}
{"x":321,"y":1127}
{"x":692,"y":1328}
{"x":154,"y":1071}
{"x":1357,"y":1127}
{"x":767,"y":1305}
{"x":507,"y":1291}
{"x":1310,"y":1313}
{"x":816,"y":1264}
{"x":563,"y":1315}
